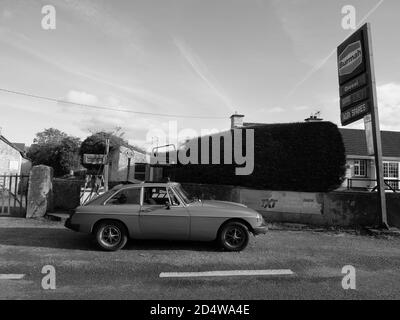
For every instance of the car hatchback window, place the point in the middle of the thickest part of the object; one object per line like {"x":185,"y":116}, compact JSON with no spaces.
{"x":125,"y":196}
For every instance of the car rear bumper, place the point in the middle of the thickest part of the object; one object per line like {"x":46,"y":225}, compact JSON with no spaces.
{"x":260,"y":230}
{"x":69,"y":225}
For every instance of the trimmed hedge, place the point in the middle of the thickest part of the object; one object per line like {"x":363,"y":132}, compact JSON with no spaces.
{"x":306,"y":157}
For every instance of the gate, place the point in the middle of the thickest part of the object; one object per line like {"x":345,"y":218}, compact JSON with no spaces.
{"x":13,"y":194}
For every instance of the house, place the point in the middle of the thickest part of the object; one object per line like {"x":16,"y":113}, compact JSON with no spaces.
{"x":127,"y":163}
{"x":13,"y":159}
{"x":360,"y":170}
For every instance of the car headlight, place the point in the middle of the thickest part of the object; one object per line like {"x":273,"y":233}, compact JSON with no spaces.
{"x":259,"y":218}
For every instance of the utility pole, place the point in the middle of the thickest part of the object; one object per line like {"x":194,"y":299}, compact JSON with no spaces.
{"x":106,"y":165}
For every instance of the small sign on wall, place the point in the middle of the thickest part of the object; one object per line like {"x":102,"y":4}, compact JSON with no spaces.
{"x":94,"y":158}
{"x":282,"y":201}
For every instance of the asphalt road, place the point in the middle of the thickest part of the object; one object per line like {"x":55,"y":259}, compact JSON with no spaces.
{"x":84,"y":272}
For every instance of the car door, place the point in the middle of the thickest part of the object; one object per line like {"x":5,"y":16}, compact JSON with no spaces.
{"x":124,"y":205}
{"x":159,"y":221}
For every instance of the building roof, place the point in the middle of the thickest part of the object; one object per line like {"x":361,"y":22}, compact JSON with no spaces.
{"x":13,"y":145}
{"x":20,"y":146}
{"x":355,"y":142}
{"x":253,"y":124}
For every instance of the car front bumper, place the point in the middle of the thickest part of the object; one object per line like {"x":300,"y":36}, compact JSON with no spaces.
{"x":69,"y":225}
{"x":260,"y":230}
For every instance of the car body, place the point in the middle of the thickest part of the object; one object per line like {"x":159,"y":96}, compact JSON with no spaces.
{"x":152,"y":210}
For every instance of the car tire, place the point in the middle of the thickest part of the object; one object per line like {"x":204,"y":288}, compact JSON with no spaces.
{"x":111,"y":235}
{"x":233,"y":236}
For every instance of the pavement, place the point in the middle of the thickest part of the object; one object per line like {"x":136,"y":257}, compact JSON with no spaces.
{"x":315,"y":258}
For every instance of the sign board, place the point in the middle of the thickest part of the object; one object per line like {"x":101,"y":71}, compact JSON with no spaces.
{"x":358,"y":99}
{"x":94,"y":158}
{"x":355,"y":82}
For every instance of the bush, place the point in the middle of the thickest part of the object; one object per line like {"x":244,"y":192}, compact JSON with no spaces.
{"x":289,"y":157}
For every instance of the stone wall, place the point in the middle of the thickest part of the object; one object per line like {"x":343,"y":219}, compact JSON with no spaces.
{"x":40,"y":191}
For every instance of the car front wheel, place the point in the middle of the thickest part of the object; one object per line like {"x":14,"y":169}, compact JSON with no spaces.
{"x":234,"y":236}
{"x":111,"y":236}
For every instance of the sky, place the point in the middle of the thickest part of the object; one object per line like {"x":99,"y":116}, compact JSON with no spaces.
{"x":272,"y":61}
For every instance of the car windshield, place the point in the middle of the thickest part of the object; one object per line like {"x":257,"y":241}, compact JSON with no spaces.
{"x":182,"y":193}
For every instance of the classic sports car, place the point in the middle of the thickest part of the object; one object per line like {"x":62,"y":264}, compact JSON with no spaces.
{"x":164,"y":211}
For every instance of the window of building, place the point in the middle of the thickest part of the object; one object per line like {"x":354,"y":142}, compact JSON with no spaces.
{"x":126,"y":196}
{"x":140,"y":171}
{"x":360,"y":168}
{"x":391,"y":172}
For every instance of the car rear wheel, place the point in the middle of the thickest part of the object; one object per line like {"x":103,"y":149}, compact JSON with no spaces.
{"x":234,"y":236}
{"x":111,"y":235}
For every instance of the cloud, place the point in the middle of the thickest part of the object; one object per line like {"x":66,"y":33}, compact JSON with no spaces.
{"x":272,"y":110}
{"x":276,"y":110}
{"x":389,"y":106}
{"x":202,"y":71}
{"x":81,"y":97}
{"x":97,"y":15}
{"x":140,"y":96}
{"x":301,"y":108}
{"x":7,"y":14}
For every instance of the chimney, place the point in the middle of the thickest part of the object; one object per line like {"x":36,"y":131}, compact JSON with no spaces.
{"x":236,"y":120}
{"x":314,"y":117}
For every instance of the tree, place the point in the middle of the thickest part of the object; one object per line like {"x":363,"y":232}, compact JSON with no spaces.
{"x":96,"y":144}
{"x":49,"y":136}
{"x":56,"y":149}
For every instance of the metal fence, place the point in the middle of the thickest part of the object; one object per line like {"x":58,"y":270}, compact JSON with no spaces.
{"x":13,"y":194}
{"x":363,"y":184}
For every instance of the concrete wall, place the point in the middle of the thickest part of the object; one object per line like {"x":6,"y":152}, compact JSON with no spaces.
{"x":329,"y":209}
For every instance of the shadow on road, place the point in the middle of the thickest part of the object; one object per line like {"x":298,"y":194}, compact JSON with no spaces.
{"x":66,"y":239}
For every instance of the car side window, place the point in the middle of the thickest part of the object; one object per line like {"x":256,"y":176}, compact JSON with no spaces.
{"x":155,"y":196}
{"x":125,"y":196}
{"x":173,"y":197}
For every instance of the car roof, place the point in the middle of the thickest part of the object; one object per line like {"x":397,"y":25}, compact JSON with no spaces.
{"x":144,"y":184}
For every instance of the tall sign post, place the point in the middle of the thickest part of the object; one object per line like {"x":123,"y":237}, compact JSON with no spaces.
{"x":358,"y":99}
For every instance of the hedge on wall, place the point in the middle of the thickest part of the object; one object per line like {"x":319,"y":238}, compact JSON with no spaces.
{"x":305,"y":156}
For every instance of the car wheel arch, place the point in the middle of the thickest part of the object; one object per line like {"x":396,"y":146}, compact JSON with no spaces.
{"x":243,"y":221}
{"x":99,"y":222}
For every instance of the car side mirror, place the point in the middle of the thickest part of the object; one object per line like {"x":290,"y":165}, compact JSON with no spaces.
{"x":167,"y":205}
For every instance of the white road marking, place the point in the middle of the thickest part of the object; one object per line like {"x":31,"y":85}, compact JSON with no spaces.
{"x":227,"y":273}
{"x":10,"y":276}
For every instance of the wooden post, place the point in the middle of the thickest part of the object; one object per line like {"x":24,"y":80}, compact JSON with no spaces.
{"x":9,"y":193}
{"x":129,"y":169}
{"x":376,"y":133}
{"x":3,"y":190}
{"x":106,"y":165}
{"x":15,"y":190}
